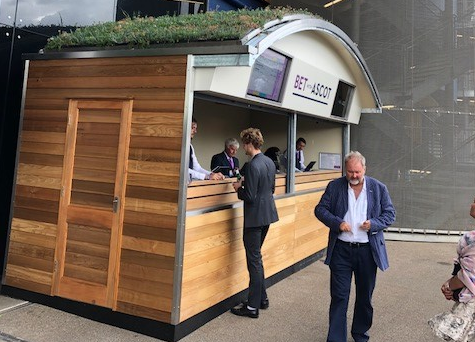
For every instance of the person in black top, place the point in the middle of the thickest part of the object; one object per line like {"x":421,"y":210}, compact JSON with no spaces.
{"x":273,"y":153}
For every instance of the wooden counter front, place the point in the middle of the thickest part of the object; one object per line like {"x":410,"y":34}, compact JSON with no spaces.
{"x":206,"y":193}
{"x":214,"y":265}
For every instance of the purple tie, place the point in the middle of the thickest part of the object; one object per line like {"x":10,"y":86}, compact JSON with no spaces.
{"x":231,"y":162}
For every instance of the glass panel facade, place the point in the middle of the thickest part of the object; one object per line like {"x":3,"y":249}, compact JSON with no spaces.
{"x":421,"y":55}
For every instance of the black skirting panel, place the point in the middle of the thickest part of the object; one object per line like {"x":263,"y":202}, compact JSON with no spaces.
{"x":156,"y":329}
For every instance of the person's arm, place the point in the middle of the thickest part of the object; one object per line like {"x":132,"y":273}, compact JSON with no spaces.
{"x":451,"y":285}
{"x":302,"y":159}
{"x":323,"y":210}
{"x":248,"y":192}
{"x":214,"y":162}
{"x":236,"y":163}
{"x":387,"y":215}
{"x":197,"y":172}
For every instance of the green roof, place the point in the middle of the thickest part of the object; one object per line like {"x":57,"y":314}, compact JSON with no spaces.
{"x":142,"y":32}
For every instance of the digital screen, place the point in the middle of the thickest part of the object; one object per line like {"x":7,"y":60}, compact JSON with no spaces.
{"x":268,"y":75}
{"x":342,"y":99}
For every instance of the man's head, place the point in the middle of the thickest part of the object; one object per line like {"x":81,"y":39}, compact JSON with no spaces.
{"x":231,"y":146}
{"x":194,"y":127}
{"x":252,"y":140}
{"x":300,"y":144}
{"x":355,"y":165}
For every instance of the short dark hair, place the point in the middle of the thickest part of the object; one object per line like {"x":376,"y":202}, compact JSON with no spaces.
{"x":301,"y":140}
{"x":193,"y":119}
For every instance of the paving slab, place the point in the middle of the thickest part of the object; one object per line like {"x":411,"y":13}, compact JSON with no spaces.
{"x":406,"y":296}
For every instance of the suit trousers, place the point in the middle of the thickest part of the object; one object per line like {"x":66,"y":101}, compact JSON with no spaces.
{"x":348,"y":259}
{"x":253,"y":239}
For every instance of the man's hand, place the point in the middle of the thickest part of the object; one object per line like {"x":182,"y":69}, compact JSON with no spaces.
{"x":237,"y":185}
{"x":366,"y":225}
{"x":216,"y":176}
{"x":345,"y":227}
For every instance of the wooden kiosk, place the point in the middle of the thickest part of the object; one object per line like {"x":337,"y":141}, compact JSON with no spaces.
{"x":105,"y":222}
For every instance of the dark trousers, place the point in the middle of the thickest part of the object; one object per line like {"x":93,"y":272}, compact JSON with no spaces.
{"x":345,"y":261}
{"x":253,"y":239}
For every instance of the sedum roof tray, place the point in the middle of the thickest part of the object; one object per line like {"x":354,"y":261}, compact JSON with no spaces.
{"x":144,"y":32}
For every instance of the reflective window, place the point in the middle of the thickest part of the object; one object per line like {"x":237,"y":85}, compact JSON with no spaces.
{"x":58,"y":13}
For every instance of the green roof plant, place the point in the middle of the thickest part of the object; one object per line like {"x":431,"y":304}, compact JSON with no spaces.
{"x":142,"y":32}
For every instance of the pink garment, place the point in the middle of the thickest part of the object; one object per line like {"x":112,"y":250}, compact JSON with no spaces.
{"x":466,"y":259}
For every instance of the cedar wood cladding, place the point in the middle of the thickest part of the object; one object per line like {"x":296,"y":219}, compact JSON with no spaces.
{"x":157,"y":87}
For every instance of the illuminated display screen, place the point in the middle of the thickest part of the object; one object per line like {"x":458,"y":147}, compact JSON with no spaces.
{"x":268,"y":75}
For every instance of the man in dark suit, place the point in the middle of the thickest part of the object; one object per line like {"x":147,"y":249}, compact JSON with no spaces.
{"x":356,"y":208}
{"x":227,"y":158}
{"x":256,"y":189}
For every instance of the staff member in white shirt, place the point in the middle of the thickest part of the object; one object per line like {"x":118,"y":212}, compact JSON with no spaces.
{"x":299,"y":158}
{"x":195,"y":171}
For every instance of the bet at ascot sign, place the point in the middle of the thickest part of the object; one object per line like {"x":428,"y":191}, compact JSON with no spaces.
{"x":309,"y":89}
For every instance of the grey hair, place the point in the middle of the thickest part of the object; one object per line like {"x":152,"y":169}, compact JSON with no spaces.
{"x":231,"y":142}
{"x":356,"y":155}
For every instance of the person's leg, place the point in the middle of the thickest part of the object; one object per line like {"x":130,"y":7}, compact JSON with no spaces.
{"x":252,"y":244}
{"x":365,"y":280}
{"x":264,"y":230}
{"x":340,"y":285}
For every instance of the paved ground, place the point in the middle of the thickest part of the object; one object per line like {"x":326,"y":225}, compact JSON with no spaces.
{"x":406,"y":296}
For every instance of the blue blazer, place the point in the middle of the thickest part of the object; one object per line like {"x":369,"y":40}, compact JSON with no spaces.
{"x":334,"y":205}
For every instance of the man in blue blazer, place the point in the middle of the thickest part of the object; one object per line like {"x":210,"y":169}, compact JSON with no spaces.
{"x":256,"y":189}
{"x":356,"y":208}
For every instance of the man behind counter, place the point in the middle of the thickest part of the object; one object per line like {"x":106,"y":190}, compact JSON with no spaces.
{"x":195,"y":171}
{"x":299,"y":158}
{"x":227,"y":158}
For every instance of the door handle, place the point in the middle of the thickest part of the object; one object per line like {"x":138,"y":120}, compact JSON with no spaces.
{"x":115,"y":204}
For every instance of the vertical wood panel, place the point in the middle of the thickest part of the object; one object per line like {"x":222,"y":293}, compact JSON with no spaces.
{"x":156,"y":85}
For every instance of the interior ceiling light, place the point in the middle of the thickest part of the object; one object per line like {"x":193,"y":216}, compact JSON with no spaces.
{"x":331,"y":3}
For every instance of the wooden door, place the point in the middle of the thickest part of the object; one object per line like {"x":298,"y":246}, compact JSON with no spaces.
{"x":91,"y":208}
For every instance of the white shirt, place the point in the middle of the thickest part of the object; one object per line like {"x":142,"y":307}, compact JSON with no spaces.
{"x":301,"y":163}
{"x":197,"y":172}
{"x":355,"y":216}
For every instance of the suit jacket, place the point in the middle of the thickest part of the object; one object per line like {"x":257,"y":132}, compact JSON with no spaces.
{"x":257,"y":192}
{"x":221,"y":159}
{"x":334,"y":205}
